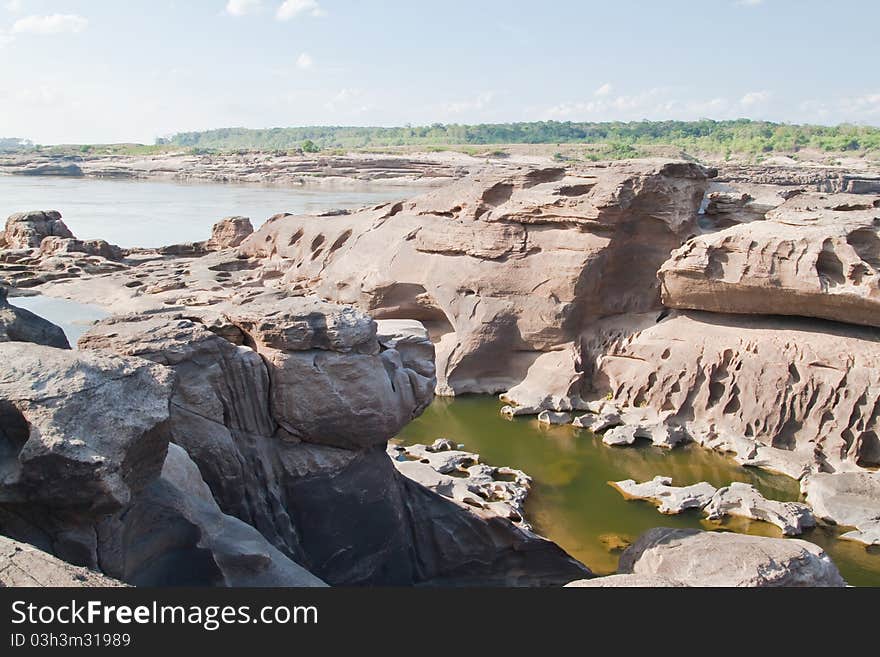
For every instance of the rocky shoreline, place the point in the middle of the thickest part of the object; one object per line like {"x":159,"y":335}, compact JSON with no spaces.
{"x":280,"y":169}
{"x":637,"y":300}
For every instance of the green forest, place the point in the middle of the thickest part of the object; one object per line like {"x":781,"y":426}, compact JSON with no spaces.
{"x":620,"y":140}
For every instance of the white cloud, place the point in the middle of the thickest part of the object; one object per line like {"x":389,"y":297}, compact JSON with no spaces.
{"x":54,"y":24}
{"x":754,"y":98}
{"x":243,"y":7}
{"x":293,"y":8}
{"x":14,"y":6}
{"x":482,"y":101}
{"x":749,"y":3}
{"x":655,"y":103}
{"x":604,"y":90}
{"x":305,"y":61}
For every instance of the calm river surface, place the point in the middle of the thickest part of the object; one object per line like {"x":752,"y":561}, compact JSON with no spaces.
{"x":150,"y":213}
{"x":571,"y":501}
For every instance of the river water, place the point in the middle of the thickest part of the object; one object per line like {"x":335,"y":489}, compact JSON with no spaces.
{"x":571,"y":501}
{"x":156,"y":213}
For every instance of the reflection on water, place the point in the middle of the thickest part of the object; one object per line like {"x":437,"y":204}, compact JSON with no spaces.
{"x":572,"y":503}
{"x":73,"y":318}
{"x":154,"y":213}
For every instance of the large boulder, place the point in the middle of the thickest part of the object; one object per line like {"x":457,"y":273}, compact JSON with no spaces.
{"x":228,"y":233}
{"x":20,"y":325}
{"x":689,"y":557}
{"x":815,"y":256}
{"x":501,"y":267}
{"x":79,"y":431}
{"x":26,"y":230}
{"x":793,"y":395}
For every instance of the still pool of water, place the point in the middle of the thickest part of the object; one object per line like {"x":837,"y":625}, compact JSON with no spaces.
{"x":572,"y":503}
{"x":155,"y":213}
{"x":73,"y":318}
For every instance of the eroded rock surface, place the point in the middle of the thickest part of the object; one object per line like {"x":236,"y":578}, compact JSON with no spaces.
{"x":460,"y":476}
{"x":694,"y":558}
{"x":815,"y":256}
{"x":285,"y":404}
{"x":791,"y":395}
{"x":743,"y":500}
{"x":26,"y":230}
{"x":851,"y":499}
{"x":671,"y":499}
{"x":501,"y":268}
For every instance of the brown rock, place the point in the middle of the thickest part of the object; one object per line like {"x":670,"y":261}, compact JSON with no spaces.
{"x":789,"y":394}
{"x":500,"y":267}
{"x":815,"y":256}
{"x":229,"y":232}
{"x":25,"y":230}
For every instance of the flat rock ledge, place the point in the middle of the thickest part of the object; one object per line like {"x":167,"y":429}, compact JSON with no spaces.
{"x":459,"y":476}
{"x":693,"y":558}
{"x":737,"y":499}
{"x":23,"y":565}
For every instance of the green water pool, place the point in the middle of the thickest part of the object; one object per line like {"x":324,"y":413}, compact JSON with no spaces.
{"x":572,"y":503}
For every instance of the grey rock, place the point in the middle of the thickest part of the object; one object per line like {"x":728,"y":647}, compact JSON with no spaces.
{"x":598,"y":423}
{"x":79,"y":430}
{"x":743,"y":500}
{"x":174,"y":534}
{"x":624,"y":581}
{"x":696,"y":558}
{"x":851,"y":499}
{"x":670,"y":499}
{"x":554,"y":417}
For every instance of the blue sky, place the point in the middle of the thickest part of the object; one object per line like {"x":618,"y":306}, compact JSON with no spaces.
{"x":103,"y":70}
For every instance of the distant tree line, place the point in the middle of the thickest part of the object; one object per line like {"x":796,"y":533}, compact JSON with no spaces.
{"x":737,"y":136}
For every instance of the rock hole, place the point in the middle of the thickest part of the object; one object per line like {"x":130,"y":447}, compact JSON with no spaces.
{"x":829,"y":267}
{"x":317,"y":242}
{"x":498,"y":194}
{"x":14,"y":433}
{"x":296,"y":237}
{"x":340,"y":242}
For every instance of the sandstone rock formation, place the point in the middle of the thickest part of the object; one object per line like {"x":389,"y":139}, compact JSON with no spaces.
{"x":285,"y":405}
{"x":174,"y":534}
{"x":68,"y":440}
{"x":26,"y":566}
{"x":745,"y":501}
{"x":501,"y":268}
{"x":229,"y":232}
{"x":851,"y":499}
{"x":20,"y":325}
{"x":26,"y":230}
{"x":688,"y":557}
{"x":671,"y":499}
{"x":815,"y":256}
{"x":460,"y":476}
{"x":781,"y":393}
